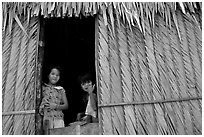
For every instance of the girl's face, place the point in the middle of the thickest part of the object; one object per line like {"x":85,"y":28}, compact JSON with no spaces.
{"x":54,"y":76}
{"x":85,"y":86}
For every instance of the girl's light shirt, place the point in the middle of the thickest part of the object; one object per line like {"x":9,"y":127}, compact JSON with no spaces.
{"x":52,"y":94}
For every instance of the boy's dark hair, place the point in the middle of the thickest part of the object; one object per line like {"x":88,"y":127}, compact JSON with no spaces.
{"x":86,"y":78}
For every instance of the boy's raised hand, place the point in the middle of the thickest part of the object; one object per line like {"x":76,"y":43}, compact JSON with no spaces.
{"x":91,"y":88}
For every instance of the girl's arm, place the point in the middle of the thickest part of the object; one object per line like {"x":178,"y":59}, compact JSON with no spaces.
{"x":65,"y":105}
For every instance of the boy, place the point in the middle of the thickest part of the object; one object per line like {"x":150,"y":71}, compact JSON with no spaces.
{"x":90,"y":114}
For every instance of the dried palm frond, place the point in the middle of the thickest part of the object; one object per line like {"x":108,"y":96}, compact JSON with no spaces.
{"x":132,"y":12}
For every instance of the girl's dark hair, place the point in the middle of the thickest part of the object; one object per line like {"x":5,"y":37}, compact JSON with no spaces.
{"x":54,"y":67}
{"x":48,"y":70}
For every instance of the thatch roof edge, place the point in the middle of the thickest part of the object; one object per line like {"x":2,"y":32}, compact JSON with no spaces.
{"x":131,"y":12}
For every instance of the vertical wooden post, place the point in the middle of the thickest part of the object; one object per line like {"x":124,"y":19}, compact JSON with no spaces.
{"x":46,"y":127}
{"x":40,"y":54}
{"x":97,"y":71}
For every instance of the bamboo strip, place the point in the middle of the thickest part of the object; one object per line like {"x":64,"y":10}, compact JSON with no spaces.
{"x":135,"y":42}
{"x":150,"y":102}
{"x":194,"y":61}
{"x":184,"y":47}
{"x":115,"y":84}
{"x":108,"y":30}
{"x":113,"y":96}
{"x":176,"y":75}
{"x":30,"y":124}
{"x":198,"y":39}
{"x":18,"y":125}
{"x":18,"y":112}
{"x":30,"y":77}
{"x":122,"y":53}
{"x":6,"y":53}
{"x":132,"y":115}
{"x":113,"y":71}
{"x":114,"y":67}
{"x":196,"y":56}
{"x":25,"y":40}
{"x":196,"y":52}
{"x":134,"y":75}
{"x":149,"y":110}
{"x":174,"y":123}
{"x":188,"y":75}
{"x":30,"y":92}
{"x":146,"y":112}
{"x":137,"y":80}
{"x":163,"y":78}
{"x":96,"y":65}
{"x":7,"y":125}
{"x":21,"y":82}
{"x":142,"y":129}
{"x":126,"y":80}
{"x":191,"y":80}
{"x":18,"y":100}
{"x":153,"y":76}
{"x":170,"y":39}
{"x":104,"y":75}
{"x":11,"y":81}
{"x":178,"y":55}
{"x":189,"y":111}
{"x":125,"y":65}
{"x":195,"y":78}
{"x":166,"y":77}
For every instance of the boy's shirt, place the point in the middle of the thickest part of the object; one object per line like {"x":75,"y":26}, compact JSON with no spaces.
{"x":89,"y":109}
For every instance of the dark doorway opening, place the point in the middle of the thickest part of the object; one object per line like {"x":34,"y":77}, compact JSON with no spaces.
{"x":70,"y":44}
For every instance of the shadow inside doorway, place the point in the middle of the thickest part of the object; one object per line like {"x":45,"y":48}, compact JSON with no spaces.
{"x":70,"y":44}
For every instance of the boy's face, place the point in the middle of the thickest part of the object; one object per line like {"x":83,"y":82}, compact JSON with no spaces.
{"x":86,"y":85}
{"x":54,"y":76}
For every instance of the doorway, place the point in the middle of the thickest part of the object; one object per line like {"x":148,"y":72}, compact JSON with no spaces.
{"x":70,"y":44}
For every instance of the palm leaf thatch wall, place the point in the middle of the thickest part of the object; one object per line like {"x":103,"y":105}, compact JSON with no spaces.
{"x":148,"y":61}
{"x":19,"y":78}
{"x":151,"y":84}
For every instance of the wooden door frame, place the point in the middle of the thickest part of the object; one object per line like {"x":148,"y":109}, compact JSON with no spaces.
{"x":97,"y":68}
{"x":40,"y":58}
{"x":40,"y":55}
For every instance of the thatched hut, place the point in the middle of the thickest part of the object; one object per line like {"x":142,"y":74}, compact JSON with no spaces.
{"x":147,"y":61}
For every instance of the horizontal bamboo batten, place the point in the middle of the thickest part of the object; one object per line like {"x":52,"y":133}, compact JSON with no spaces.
{"x":18,"y":112}
{"x":149,"y":102}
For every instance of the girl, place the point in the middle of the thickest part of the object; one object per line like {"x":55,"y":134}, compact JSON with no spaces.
{"x":88,"y":86}
{"x":54,"y":101}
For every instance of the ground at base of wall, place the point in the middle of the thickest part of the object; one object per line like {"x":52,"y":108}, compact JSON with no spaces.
{"x":77,"y":128}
